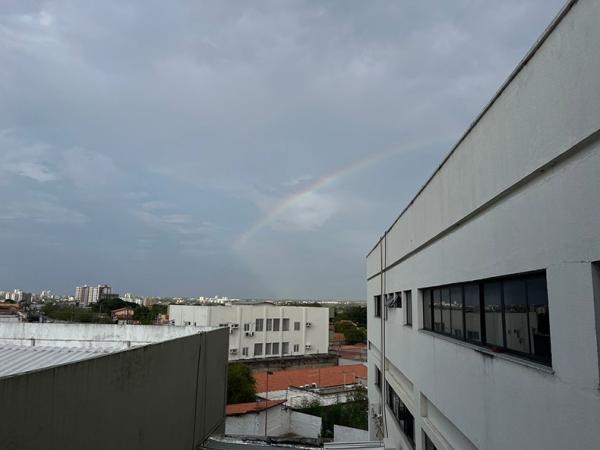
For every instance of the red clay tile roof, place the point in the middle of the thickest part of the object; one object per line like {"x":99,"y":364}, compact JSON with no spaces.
{"x":323,"y":376}
{"x":253,"y":407}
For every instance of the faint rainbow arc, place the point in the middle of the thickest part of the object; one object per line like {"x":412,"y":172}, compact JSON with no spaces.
{"x":318,"y":184}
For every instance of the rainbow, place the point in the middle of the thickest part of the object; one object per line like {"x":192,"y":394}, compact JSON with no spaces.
{"x":317,"y":185}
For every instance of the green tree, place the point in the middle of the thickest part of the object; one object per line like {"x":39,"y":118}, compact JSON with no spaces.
{"x":241,"y":385}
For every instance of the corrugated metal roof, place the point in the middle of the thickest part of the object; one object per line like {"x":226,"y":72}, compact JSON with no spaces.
{"x":17,"y":359}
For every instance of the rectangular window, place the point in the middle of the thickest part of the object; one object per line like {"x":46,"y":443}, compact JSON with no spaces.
{"x":446,"y":311}
{"x":296,"y":326}
{"x":276,"y":348}
{"x":408,"y":306}
{"x":269,"y":324}
{"x":514,"y":293}
{"x":246,"y":327}
{"x":492,"y":300}
{"x":472,"y":312}
{"x":401,"y":414}
{"x":259,"y":324}
{"x":539,"y":318}
{"x":268,"y":348}
{"x":437,"y":310}
{"x":508,"y":314}
{"x":427,"y":443}
{"x":285,"y":348}
{"x":456,"y":311}
{"x":377,"y":377}
{"x":245,"y":351}
{"x":257,"y":349}
{"x":275,"y":324}
{"x":296,"y":348}
{"x":377,"y":301}
{"x":427,"y":310}
{"x":285,"y":325}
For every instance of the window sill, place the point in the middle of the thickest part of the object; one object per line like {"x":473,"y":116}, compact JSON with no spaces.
{"x":492,"y":354}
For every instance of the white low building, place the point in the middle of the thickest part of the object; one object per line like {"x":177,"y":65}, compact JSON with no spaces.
{"x":262,"y":330}
{"x":484,"y":294}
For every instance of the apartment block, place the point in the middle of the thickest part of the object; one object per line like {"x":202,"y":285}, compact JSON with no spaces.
{"x":262,"y":330}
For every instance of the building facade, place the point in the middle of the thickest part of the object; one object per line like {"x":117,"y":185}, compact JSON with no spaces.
{"x":262,"y":330}
{"x":484,"y":294}
{"x":87,"y":295}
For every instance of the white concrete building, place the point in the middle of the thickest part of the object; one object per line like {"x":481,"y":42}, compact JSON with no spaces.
{"x":491,"y":275}
{"x":262,"y":330}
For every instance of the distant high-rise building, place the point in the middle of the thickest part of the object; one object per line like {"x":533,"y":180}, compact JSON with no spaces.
{"x":97,"y":292}
{"x":86,"y":295}
{"x":82,"y":294}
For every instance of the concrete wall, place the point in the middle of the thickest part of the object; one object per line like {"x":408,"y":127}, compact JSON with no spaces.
{"x":281,"y":421}
{"x":347,"y":434}
{"x":520,"y":193}
{"x":316,"y":335}
{"x":169,"y":395}
{"x":82,"y":335}
{"x":305,"y":425}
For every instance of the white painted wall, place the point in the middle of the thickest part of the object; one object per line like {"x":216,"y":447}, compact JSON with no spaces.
{"x":281,"y":421}
{"x":316,"y":335}
{"x":347,"y":434}
{"x":90,"y":335}
{"x":457,"y":230}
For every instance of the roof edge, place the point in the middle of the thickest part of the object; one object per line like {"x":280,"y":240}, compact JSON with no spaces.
{"x":528,"y":56}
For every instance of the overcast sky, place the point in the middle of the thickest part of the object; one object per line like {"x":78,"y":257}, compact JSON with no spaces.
{"x":248,"y":149}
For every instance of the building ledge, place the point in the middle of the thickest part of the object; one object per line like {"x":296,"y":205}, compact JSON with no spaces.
{"x":492,"y":354}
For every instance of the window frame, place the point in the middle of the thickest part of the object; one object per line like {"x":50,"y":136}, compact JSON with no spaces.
{"x":377,"y":302}
{"x":527,"y":277}
{"x":408,"y":315}
{"x":256,"y":324}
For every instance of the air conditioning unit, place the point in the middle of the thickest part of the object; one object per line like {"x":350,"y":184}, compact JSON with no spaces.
{"x":308,"y":346}
{"x":233,"y":351}
{"x":250,"y":333}
{"x":308,"y":324}
{"x":234,"y":326}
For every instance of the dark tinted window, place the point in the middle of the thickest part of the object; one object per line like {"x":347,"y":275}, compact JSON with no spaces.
{"x":515,"y":315}
{"x":427,"y":444}
{"x":377,"y":302}
{"x":472,"y":312}
{"x":408,"y":306}
{"x":539,"y":318}
{"x":446,"y":326}
{"x":492,"y":301}
{"x":401,"y":414}
{"x":437,"y":311}
{"x":427,"y":309}
{"x":456,"y":311}
{"x":508,"y":314}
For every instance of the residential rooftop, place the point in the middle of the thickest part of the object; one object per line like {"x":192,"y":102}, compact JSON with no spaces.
{"x":322,"y":377}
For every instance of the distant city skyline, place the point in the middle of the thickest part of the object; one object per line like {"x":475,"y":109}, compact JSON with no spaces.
{"x":251,"y":149}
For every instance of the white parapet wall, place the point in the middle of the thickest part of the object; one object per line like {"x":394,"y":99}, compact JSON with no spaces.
{"x":90,"y":335}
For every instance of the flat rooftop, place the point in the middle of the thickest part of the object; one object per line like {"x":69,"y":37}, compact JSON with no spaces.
{"x":26,"y":347}
{"x":15,"y":359}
